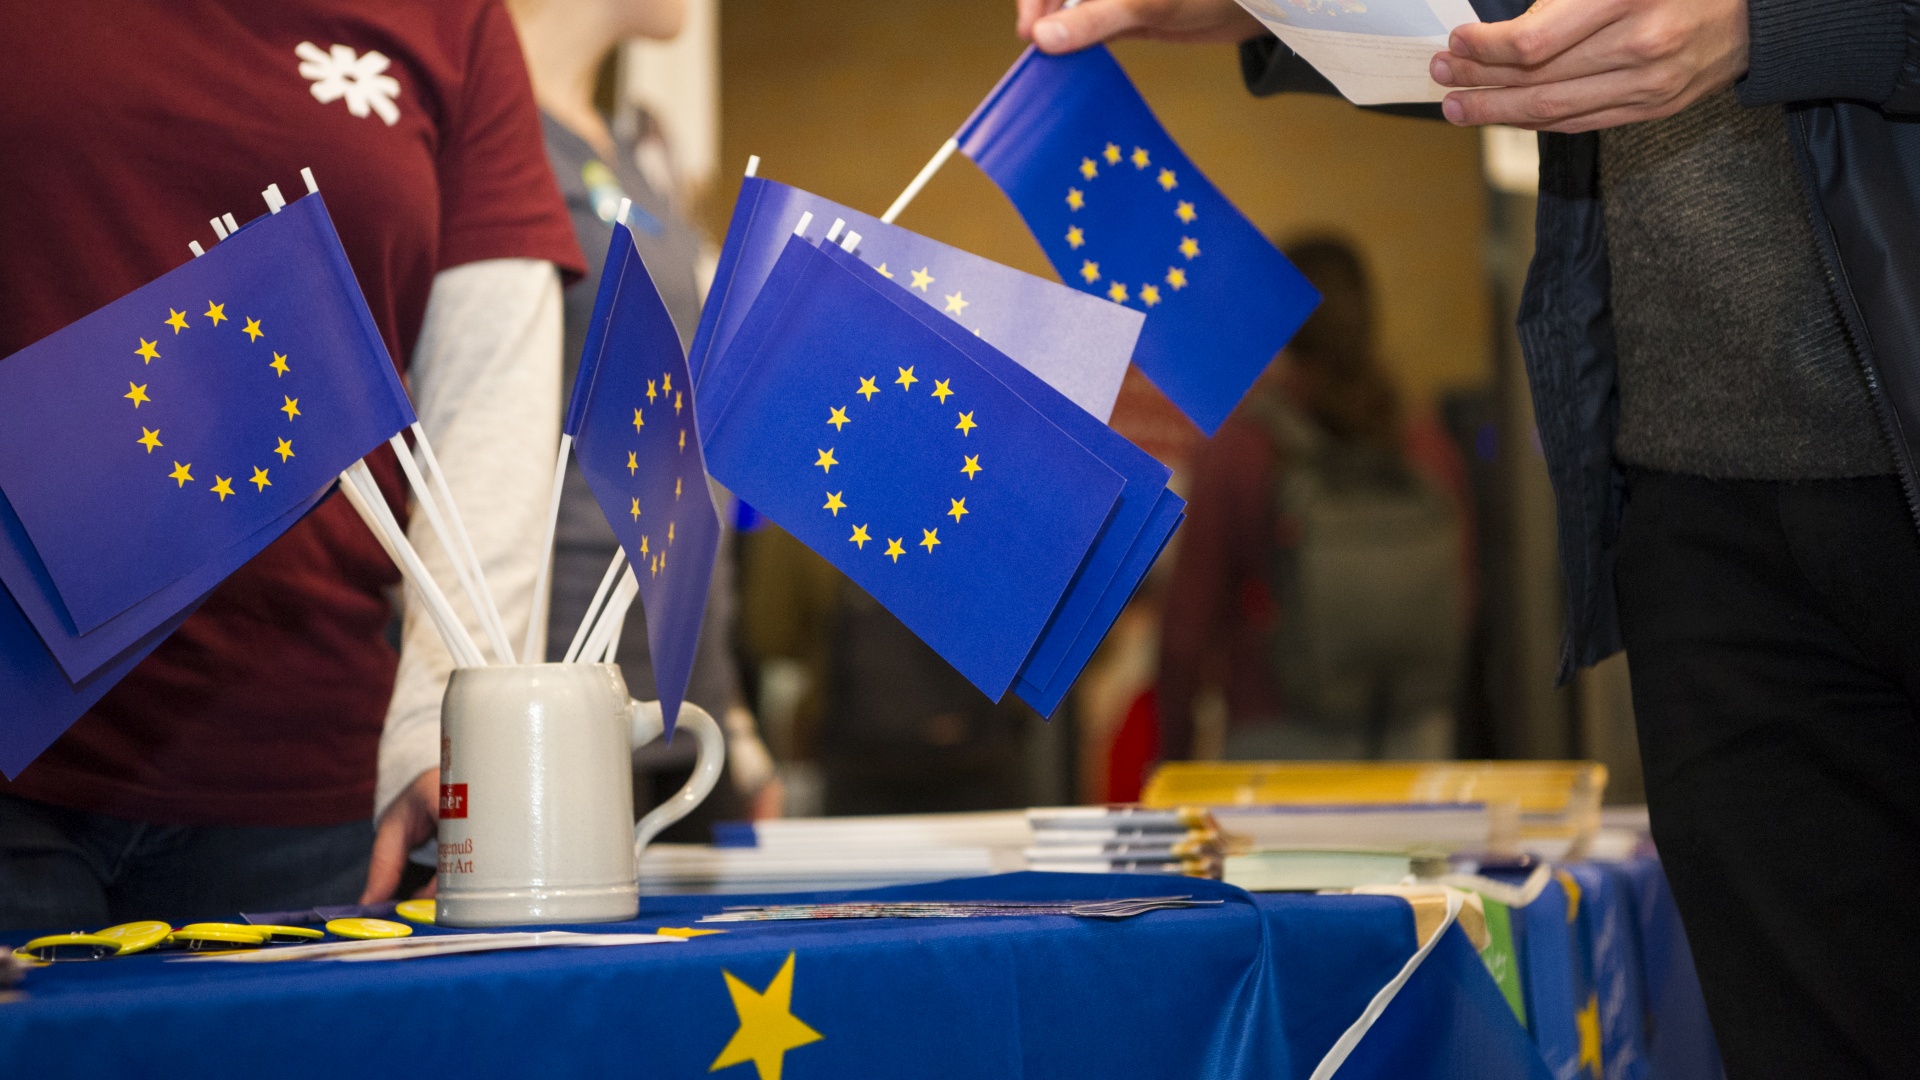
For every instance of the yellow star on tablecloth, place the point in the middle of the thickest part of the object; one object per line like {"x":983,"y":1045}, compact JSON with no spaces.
{"x":1088,"y":169}
{"x":136,"y":394}
{"x":1176,"y":278}
{"x":149,"y":439}
{"x":633,"y":462}
{"x":1112,"y":154}
{"x":216,"y":312}
{"x":1588,"y":1021}
{"x":867,"y":387}
{"x":966,"y":424}
{"x":838,"y":417}
{"x":181,"y":474}
{"x":1189,"y":247}
{"x":1076,"y":236}
{"x":941,"y":390}
{"x":1139,"y":158}
{"x":1185,"y":212}
{"x":929,"y":539}
{"x":147,"y":352}
{"x":260,"y":481}
{"x":959,"y":509}
{"x":1089,"y":271}
{"x":1167,"y":182}
{"x":285,"y":449}
{"x":827,"y":461}
{"x":222,"y":486}
{"x":279,"y":363}
{"x":955,"y":305}
{"x":859,"y":538}
{"x":907,"y":378}
{"x":1149,"y":294}
{"x":1117,"y":293}
{"x":252,"y":330}
{"x":834,"y":503}
{"x":768,"y":1028}
{"x":177,"y":320}
{"x":894,"y":550}
{"x":972,"y":465}
{"x":291,"y":408}
{"x":1075,"y":200}
{"x":921,"y":279}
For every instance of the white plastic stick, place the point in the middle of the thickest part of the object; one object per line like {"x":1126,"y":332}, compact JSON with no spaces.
{"x":593,"y":606}
{"x":364,"y":494}
{"x":437,"y":520}
{"x":194,"y":246}
{"x":753,"y":164}
{"x":613,"y":614}
{"x":806,"y":219}
{"x":833,"y":233}
{"x":276,"y":202}
{"x":313,"y":188}
{"x":219,"y":227}
{"x":232,"y":225}
{"x":613,"y":642}
{"x":535,"y":649}
{"x":851,"y":241}
{"x":932,"y":166}
{"x":498,"y":631}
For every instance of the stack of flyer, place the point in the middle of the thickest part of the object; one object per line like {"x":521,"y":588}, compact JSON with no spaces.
{"x":814,"y":854}
{"x":1124,"y":840}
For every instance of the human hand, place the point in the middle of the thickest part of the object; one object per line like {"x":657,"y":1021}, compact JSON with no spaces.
{"x":1056,"y":31}
{"x":1579,"y":65}
{"x":410,"y":819}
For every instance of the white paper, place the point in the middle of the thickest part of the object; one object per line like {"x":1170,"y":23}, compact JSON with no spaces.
{"x":1375,"y":52}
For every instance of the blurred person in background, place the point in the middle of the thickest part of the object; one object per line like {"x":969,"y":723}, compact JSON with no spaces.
{"x":1321,"y":585}
{"x":571,"y":55}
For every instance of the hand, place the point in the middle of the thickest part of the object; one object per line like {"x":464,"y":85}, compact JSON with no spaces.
{"x":1056,"y":31}
{"x":408,"y":822}
{"x":1578,"y":65}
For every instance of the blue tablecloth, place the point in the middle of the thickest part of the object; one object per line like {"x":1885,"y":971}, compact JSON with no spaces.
{"x":1260,"y":986}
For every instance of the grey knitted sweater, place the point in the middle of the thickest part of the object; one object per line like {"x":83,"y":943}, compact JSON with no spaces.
{"x":1734,"y":362}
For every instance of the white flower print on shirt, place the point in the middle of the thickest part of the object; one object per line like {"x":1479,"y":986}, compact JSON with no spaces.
{"x":341,"y":74}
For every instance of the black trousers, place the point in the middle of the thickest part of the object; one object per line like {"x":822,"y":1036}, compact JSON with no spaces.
{"x":1773,"y":632}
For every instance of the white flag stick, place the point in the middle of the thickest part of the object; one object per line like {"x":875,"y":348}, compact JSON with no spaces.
{"x":443,"y":531}
{"x":613,"y":642}
{"x":932,"y":166}
{"x":613,"y":614}
{"x":535,"y":649}
{"x":593,"y":606}
{"x":358,"y":485}
{"x":498,"y":630}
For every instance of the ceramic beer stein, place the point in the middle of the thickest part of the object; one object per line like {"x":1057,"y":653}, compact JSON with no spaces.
{"x":536,"y":793}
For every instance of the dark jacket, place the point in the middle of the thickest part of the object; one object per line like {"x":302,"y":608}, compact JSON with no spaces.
{"x":1848,"y":72}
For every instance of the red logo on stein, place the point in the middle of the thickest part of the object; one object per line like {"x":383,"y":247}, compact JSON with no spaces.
{"x":453,"y":801}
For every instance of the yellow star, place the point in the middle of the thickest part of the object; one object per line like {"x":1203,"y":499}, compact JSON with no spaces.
{"x":1112,"y":154}
{"x":1189,"y":246}
{"x":906,"y":379}
{"x":638,"y":420}
{"x":1088,"y":169}
{"x":683,"y":440}
{"x":1167,"y":182}
{"x":1117,"y":293}
{"x":216,"y":312}
{"x":279,"y":364}
{"x":177,"y":320}
{"x":291,"y":408}
{"x":1149,"y":294}
{"x":636,"y":510}
{"x":838,"y":418}
{"x":656,"y":567}
{"x":1139,"y":158}
{"x":1089,"y":271}
{"x":149,"y":439}
{"x":834,"y":504}
{"x":136,"y":394}
{"x":859,"y":538}
{"x":666,"y":382}
{"x":181,"y":474}
{"x":884,"y":272}
{"x":972,"y":466}
{"x":663,"y":555}
{"x":260,"y":481}
{"x":222,"y":486}
{"x":955,"y":305}
{"x":252,"y":330}
{"x":959,"y":509}
{"x":676,"y":487}
{"x":966,"y":424}
{"x":826,"y":461}
{"x":652,"y":391}
{"x":894,"y":550}
{"x":1184,"y":211}
{"x":941,"y":390}
{"x":768,"y":1028}
{"x":921,"y":279}
{"x":643,"y":546}
{"x":1075,"y":200}
{"x":633,"y":462}
{"x":285,"y":449}
{"x":678,"y":400}
{"x":147,"y":351}
{"x":1588,"y":1022}
{"x":929,"y":539}
{"x":867,"y":388}
{"x":1177,"y":278}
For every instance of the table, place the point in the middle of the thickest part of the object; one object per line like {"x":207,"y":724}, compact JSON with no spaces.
{"x":1258,"y":986}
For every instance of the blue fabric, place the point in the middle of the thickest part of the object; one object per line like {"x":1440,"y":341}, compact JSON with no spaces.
{"x":1680,"y":1040}
{"x":1258,"y":987}
{"x":632,"y":421}
{"x":1543,"y":937}
{"x":893,"y":454}
{"x":1122,"y":213}
{"x":1610,"y":938}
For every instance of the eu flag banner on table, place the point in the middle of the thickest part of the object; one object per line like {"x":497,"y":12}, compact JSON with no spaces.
{"x":1123,"y":214}
{"x":633,"y":428}
{"x":956,"y":504}
{"x":190,"y":414}
{"x":1103,"y":573}
{"x":1078,"y":344}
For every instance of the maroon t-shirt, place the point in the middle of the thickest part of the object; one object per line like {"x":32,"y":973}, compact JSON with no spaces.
{"x":126,"y":127}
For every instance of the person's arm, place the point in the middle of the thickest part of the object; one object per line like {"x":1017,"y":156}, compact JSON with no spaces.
{"x":1861,"y":50}
{"x":1054,"y":30}
{"x":485,"y":381}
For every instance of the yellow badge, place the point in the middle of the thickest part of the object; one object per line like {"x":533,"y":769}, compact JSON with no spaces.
{"x":420,"y":911}
{"x":61,"y":947}
{"x":290,"y":935}
{"x":685,"y":932}
{"x":367,"y":929}
{"x":136,"y":936}
{"x":218,"y":937}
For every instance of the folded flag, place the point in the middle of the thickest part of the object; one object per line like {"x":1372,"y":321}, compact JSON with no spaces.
{"x":1079,"y":345}
{"x":1123,"y":214}
{"x":632,"y":422}
{"x":874,"y":441}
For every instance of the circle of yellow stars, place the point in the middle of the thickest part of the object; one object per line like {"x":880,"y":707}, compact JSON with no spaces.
{"x":137,"y":393}
{"x":660,"y":394}
{"x":1147,"y":293}
{"x":837,"y":419}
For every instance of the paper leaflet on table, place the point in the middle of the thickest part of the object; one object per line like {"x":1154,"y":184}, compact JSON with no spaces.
{"x":1375,"y":52}
{"x":1080,"y":346}
{"x":872,"y":440}
{"x":639,"y":447}
{"x":1101,"y":575}
{"x":1122,"y":213}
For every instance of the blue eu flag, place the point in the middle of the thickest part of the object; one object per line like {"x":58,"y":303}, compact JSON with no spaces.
{"x":874,"y":441}
{"x":185,"y":417}
{"x":1123,"y":214}
{"x":633,"y":429}
{"x":1078,"y":344}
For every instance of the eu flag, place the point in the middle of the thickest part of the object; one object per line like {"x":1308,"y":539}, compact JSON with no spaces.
{"x":1078,"y":344}
{"x":1123,"y":214}
{"x":190,"y":414}
{"x":632,"y":422}
{"x":874,"y":441}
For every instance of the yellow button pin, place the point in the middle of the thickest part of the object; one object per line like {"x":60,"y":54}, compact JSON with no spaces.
{"x":367,"y":929}
{"x":56,"y":948}
{"x":419,"y":911}
{"x":289,"y":935}
{"x":136,"y":937}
